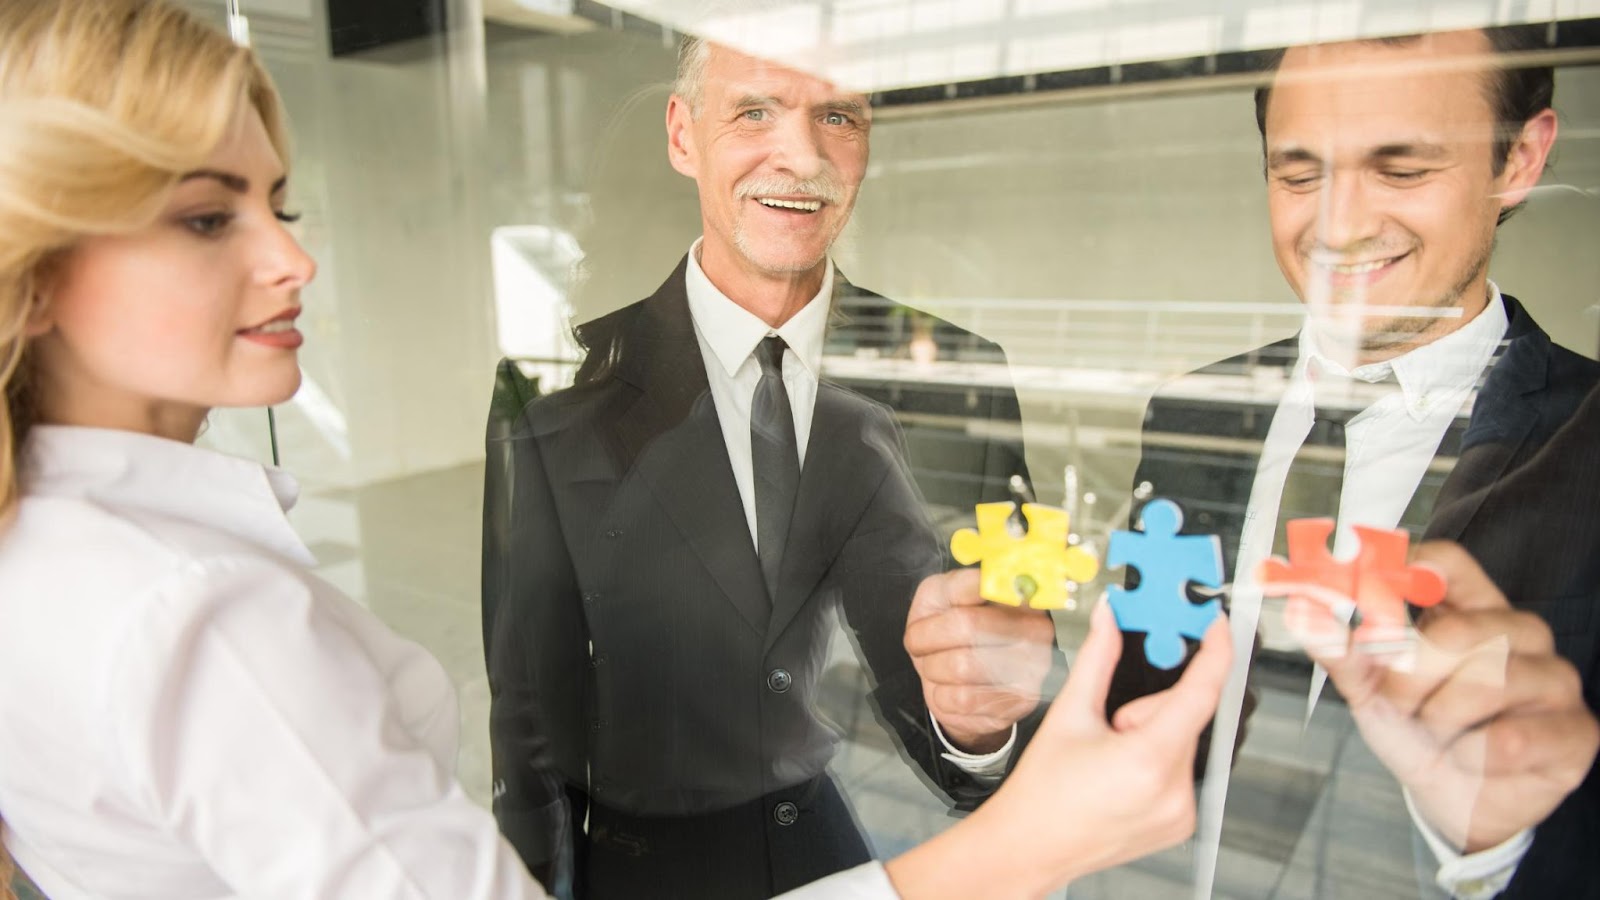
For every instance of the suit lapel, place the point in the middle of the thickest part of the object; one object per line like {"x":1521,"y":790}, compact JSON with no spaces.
{"x":669,"y":435}
{"x":659,"y":357}
{"x":1503,"y":415}
{"x":688,"y":471}
{"x":667,"y":431}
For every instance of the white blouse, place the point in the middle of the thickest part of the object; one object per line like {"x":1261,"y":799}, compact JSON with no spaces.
{"x":189,"y":713}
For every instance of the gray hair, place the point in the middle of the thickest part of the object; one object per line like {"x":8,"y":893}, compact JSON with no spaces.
{"x":694,"y":54}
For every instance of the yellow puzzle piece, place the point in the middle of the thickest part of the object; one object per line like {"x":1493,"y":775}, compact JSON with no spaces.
{"x":1033,"y":569}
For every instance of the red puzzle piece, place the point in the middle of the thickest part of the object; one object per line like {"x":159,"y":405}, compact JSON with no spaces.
{"x":1378,"y":581}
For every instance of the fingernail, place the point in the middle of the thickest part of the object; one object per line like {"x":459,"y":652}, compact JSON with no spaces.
{"x":1102,"y":611}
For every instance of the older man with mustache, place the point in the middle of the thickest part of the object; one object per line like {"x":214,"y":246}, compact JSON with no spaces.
{"x":670,"y":541}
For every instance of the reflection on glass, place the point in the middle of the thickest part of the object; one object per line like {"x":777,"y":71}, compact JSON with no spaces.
{"x":669,"y":541}
{"x":1078,"y":183}
{"x":1389,"y":167}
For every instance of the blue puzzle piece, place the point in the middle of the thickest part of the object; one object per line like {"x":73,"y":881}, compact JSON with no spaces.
{"x":1167,"y":562}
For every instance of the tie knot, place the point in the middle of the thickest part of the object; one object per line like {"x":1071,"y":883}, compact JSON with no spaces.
{"x":770,"y":354}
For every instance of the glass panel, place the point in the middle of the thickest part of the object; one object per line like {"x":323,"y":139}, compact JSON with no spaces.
{"x":674,"y":579}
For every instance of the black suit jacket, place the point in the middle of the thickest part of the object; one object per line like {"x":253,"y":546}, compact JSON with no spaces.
{"x":1543,"y":557}
{"x":634,"y":656}
{"x":1525,"y":500}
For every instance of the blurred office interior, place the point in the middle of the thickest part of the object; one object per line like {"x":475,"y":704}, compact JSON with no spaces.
{"x":1079,"y":181}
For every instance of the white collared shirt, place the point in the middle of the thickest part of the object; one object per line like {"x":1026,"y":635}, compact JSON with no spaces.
{"x":1389,"y":445}
{"x":1388,"y":449}
{"x":190,"y":714}
{"x":728,"y":335}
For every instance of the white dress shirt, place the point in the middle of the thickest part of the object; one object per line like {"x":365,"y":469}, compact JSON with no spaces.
{"x":190,"y":714}
{"x":1388,"y":449}
{"x":1389,"y":445}
{"x":728,"y":335}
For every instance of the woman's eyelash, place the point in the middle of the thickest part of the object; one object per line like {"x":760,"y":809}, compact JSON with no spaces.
{"x":208,"y":224}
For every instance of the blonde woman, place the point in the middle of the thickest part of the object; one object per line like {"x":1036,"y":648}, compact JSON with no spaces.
{"x":187,"y":712}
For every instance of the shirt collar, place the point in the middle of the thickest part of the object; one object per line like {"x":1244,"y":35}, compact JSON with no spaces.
{"x":1452,"y":362}
{"x":733,"y":332}
{"x":125,"y":469}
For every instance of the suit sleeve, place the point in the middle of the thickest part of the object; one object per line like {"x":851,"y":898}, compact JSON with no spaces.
{"x":894,"y":547}
{"x":533,"y":645}
{"x":1006,"y":457}
{"x":1560,"y":860}
{"x":1535,"y":528}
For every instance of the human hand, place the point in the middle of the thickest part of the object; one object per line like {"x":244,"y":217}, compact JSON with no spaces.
{"x":1086,"y":795}
{"x":983,"y":665}
{"x":1483,"y":723}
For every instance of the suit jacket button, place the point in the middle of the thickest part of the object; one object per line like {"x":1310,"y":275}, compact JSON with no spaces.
{"x":591,"y":596}
{"x":786,"y":813}
{"x":613,"y":532}
{"x":779,"y":680}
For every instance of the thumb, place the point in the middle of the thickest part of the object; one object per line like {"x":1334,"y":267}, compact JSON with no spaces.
{"x":1467,"y":586}
{"x":938,"y":593}
{"x":1135,"y":713}
{"x":1192,"y":702}
{"x":1085,"y":692}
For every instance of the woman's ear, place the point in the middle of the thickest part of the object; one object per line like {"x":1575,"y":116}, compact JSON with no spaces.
{"x":41,"y":312}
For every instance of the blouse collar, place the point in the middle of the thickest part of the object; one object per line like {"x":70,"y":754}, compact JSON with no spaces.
{"x":129,"y":470}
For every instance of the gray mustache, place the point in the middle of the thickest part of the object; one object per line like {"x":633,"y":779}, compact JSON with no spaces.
{"x":825,"y":188}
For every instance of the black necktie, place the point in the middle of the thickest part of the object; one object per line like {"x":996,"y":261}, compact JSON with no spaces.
{"x":1316,"y":475}
{"x":775,"y":460}
{"x":1315,"y":479}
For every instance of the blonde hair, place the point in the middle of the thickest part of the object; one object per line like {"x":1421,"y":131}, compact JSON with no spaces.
{"x":104,"y":106}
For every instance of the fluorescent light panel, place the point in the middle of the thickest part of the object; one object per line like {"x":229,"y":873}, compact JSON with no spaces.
{"x":876,"y":45}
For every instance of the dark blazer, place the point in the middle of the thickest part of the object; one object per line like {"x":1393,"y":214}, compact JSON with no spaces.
{"x":1527,"y":504}
{"x":1543,"y":557}
{"x":636,"y":663}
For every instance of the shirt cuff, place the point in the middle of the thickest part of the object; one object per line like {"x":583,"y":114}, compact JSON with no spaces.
{"x":1472,"y":876}
{"x":983,"y":765}
{"x":869,"y":881}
